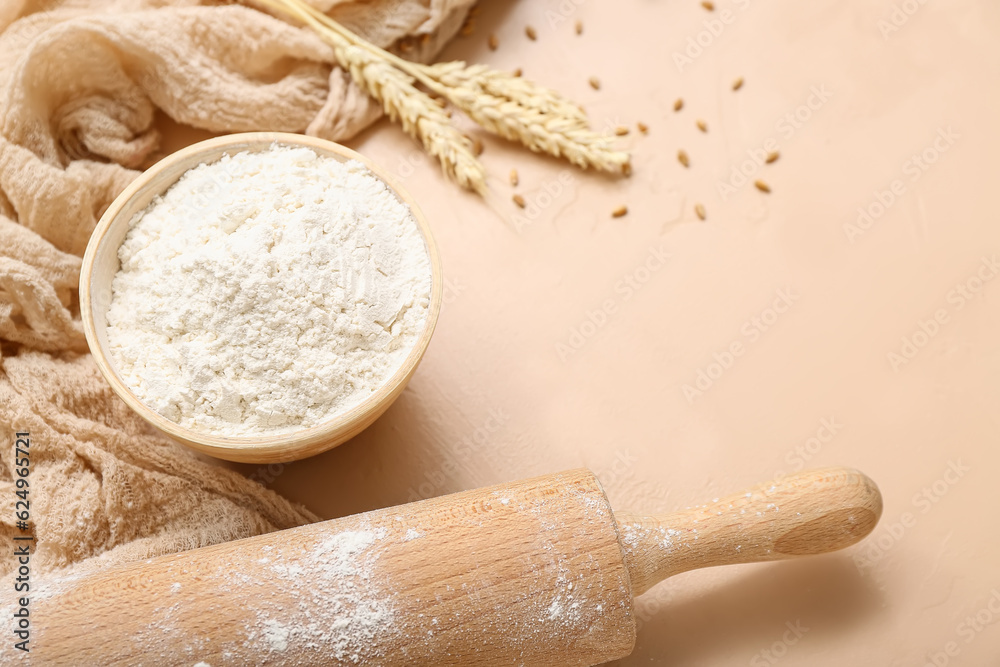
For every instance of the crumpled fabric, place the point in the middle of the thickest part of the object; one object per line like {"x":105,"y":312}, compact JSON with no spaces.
{"x":81,"y":84}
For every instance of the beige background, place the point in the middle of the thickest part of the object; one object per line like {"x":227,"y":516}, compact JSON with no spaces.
{"x":497,"y":399}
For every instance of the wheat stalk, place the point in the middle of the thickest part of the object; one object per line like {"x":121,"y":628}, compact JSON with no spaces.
{"x":419,"y":115}
{"x":502,"y":103}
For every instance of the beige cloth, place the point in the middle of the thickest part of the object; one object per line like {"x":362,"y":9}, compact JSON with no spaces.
{"x":80,"y":84}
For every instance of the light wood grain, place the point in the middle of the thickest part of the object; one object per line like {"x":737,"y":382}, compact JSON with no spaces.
{"x":537,"y":572}
{"x":523,"y":573}
{"x":100,"y":263}
{"x":810,"y":512}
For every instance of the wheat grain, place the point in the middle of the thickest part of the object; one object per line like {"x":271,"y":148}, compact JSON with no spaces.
{"x":699,"y":210}
{"x":678,"y":104}
{"x":513,"y":177}
{"x":762,"y":186}
{"x":683,"y":158}
{"x":619,"y":212}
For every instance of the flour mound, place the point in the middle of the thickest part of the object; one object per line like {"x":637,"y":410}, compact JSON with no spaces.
{"x":267,"y":292}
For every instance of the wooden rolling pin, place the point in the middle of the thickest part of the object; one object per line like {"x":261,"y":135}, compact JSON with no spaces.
{"x":537,"y":572}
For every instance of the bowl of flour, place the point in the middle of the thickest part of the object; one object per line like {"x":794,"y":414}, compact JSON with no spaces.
{"x":260,"y":297}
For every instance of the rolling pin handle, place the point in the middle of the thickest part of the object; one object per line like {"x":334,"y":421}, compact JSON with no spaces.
{"x":810,"y":512}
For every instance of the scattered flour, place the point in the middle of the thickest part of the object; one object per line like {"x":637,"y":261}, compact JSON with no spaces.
{"x":267,"y":292}
{"x":342,"y":611}
{"x":276,"y":635}
{"x":636,"y":536}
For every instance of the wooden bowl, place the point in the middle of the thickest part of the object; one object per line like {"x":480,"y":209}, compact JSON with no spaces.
{"x":100,"y":264}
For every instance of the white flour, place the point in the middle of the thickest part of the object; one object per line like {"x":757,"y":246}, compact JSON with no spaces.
{"x":344,"y":611}
{"x":267,"y":292}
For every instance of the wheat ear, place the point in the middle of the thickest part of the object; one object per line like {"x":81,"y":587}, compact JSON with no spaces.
{"x":521,"y":110}
{"x":488,"y":81}
{"x":502,"y":103}
{"x":419,"y":115}
{"x":542,"y":132}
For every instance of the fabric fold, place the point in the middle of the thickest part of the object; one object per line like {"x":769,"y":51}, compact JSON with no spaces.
{"x":81,"y":85}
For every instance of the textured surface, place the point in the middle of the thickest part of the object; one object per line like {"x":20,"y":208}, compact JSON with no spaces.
{"x":493,"y":400}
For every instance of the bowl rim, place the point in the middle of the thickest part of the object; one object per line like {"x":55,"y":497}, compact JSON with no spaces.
{"x":267,"y":448}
